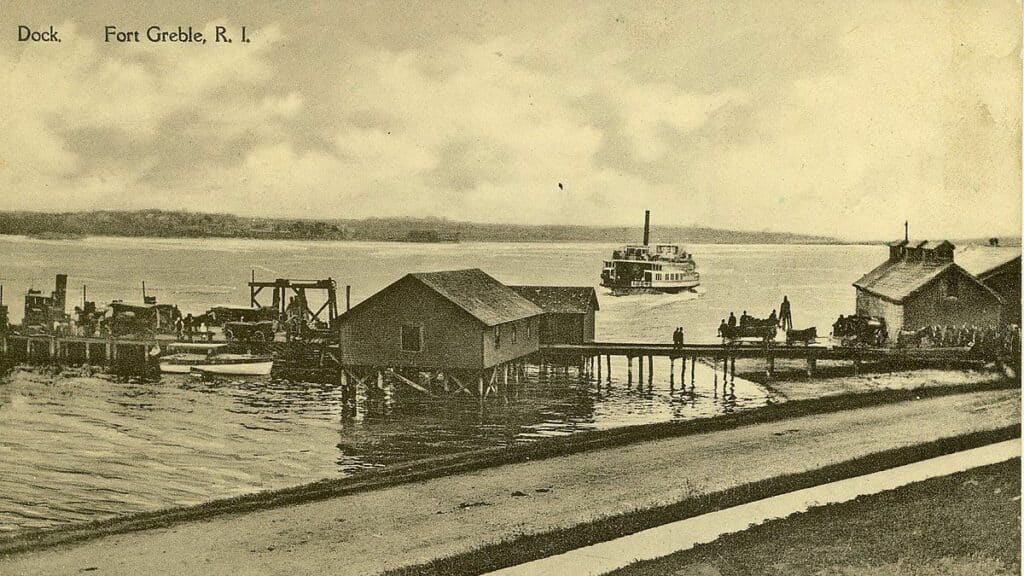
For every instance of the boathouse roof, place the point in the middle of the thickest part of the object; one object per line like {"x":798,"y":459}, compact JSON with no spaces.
{"x":561,"y":299}
{"x":895,"y":280}
{"x":982,"y":260}
{"x":479,"y":294}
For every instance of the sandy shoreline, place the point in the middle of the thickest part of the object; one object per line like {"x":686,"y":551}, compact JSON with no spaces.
{"x":408,"y":524}
{"x":790,"y":381}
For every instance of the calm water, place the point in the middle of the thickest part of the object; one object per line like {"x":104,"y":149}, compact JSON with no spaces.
{"x":75,"y":447}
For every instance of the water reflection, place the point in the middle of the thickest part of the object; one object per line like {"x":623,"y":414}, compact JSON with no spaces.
{"x":79,"y":447}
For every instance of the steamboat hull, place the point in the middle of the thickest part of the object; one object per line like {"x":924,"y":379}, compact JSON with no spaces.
{"x":625,"y":290}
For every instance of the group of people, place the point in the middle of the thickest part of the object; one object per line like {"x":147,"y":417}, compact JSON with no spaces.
{"x":783,"y":318}
{"x":678,"y":337}
{"x":988,"y":338}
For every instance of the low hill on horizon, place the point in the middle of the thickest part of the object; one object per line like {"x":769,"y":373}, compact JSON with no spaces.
{"x":174,"y":224}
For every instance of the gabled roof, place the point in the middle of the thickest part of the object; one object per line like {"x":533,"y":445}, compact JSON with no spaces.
{"x":561,"y":299}
{"x":896,"y":280}
{"x":934,"y":244}
{"x":479,"y":294}
{"x":980,"y":260}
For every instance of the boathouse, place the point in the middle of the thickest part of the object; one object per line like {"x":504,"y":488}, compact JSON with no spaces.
{"x":998,"y":267}
{"x":921,"y":285}
{"x":458,"y":320}
{"x":568,"y":312}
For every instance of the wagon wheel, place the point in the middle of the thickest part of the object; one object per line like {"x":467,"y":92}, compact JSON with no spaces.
{"x":259,"y":336}
{"x":229,"y":334}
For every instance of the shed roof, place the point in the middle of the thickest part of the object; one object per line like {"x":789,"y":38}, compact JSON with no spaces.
{"x":561,"y":299}
{"x":479,"y":294}
{"x":980,"y":260}
{"x":897,"y":280}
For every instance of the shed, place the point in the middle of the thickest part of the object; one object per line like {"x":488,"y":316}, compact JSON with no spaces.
{"x":998,"y":267}
{"x":568,"y":312}
{"x":921,"y":285}
{"x":458,"y":319}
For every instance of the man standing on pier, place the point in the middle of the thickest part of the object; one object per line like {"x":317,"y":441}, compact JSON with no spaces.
{"x":785,"y":315}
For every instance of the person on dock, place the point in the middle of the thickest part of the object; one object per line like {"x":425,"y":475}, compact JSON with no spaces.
{"x":188,"y":324}
{"x":179,"y":326}
{"x":677,"y":337}
{"x":723,"y":329}
{"x":785,"y":314}
{"x":773,"y":318}
{"x":744,"y":319}
{"x":732,"y":320}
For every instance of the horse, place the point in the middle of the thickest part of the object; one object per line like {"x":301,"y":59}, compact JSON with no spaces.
{"x":807,"y":336}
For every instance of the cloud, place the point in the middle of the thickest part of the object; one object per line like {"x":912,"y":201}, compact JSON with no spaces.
{"x":827,"y":119}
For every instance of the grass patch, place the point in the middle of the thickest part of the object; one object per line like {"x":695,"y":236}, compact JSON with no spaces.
{"x":966,"y":523}
{"x":534,"y":546}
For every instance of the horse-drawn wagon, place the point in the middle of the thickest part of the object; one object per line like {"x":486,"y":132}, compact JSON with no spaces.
{"x":752,"y":328}
{"x":860,"y":330}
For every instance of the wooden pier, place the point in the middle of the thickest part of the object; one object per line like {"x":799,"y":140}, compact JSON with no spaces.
{"x":44,"y":348}
{"x":591,"y":354}
{"x":321,"y":362}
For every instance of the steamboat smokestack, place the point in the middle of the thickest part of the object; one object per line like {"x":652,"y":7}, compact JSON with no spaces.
{"x":647,"y":227}
{"x":60,"y":291}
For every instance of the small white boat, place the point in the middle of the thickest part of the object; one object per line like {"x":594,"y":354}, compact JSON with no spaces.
{"x":211,"y":358}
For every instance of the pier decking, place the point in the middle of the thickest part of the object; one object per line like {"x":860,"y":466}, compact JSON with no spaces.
{"x":592,"y":360}
{"x":638,"y":349}
{"x":589,"y":355}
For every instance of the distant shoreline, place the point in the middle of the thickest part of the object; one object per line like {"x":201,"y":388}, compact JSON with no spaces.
{"x":59,"y":237}
{"x":194,"y":225}
{"x":167,"y":224}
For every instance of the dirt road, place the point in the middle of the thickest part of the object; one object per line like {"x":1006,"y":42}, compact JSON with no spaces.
{"x":373,"y":531}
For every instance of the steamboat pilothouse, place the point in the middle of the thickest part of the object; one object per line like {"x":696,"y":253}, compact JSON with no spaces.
{"x":646,"y":268}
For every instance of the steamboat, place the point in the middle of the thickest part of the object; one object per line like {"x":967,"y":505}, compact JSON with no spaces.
{"x":640,"y":269}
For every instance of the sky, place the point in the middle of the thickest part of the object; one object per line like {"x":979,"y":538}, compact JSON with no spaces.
{"x":832,"y":118}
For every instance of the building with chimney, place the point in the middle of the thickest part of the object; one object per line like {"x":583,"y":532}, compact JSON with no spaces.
{"x":920,"y":285}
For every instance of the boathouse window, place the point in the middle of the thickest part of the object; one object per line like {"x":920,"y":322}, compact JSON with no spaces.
{"x":497,"y":336}
{"x":513,"y":334}
{"x":412,"y":338}
{"x":529,"y":328}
